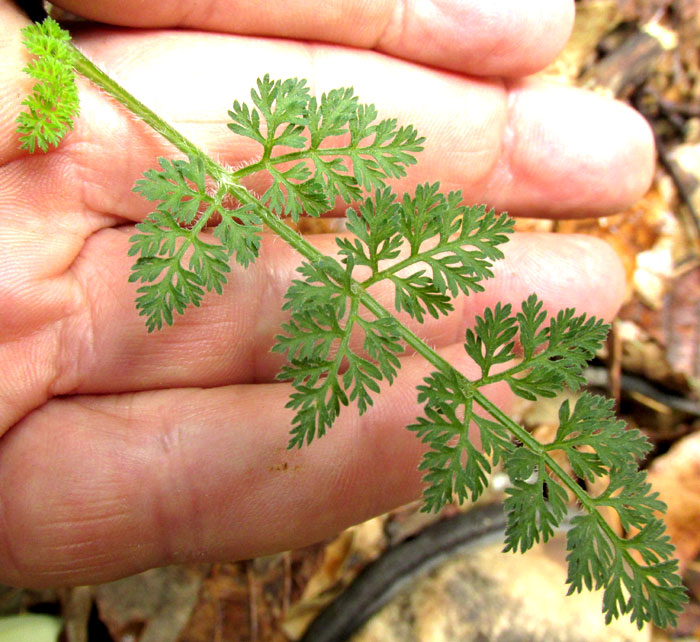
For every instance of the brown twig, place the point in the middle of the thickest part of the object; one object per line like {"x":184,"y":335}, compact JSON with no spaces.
{"x":683,"y":188}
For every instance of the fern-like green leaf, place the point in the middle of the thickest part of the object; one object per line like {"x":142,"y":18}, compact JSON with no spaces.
{"x":594,"y":440}
{"x":383,"y":344}
{"x":451,"y":248}
{"x":280,"y":105}
{"x":168,"y":240}
{"x":286,"y":116}
{"x":454,"y":467}
{"x":554,"y":353}
{"x":341,"y":343}
{"x":535,"y":508}
{"x":492,"y":339}
{"x":294,"y":193}
{"x":376,"y":229}
{"x":648,"y":591}
{"x":325,"y":370}
{"x":629,"y":493}
{"x":179,"y":187}
{"x":53,"y":105}
{"x":320,"y":285}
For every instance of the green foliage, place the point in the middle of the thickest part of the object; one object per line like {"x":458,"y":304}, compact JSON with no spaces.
{"x":553,"y":354}
{"x":536,"y":503}
{"x":53,"y":103}
{"x":286,"y":116}
{"x":454,"y":465}
{"x":342,"y":346}
{"x":451,"y":247}
{"x":594,"y":440}
{"x":175,"y":264}
{"x":449,"y":251}
{"x":649,"y":590}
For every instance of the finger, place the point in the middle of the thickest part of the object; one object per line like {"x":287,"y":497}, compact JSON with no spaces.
{"x":104,"y":346}
{"x":93,"y":488}
{"x":567,"y":152}
{"x":15,"y":84}
{"x":532,"y":149}
{"x":480,"y":37}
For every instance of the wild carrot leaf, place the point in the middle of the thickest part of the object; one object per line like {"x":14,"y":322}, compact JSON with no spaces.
{"x":341,"y":344}
{"x":535,"y":508}
{"x":594,"y":440}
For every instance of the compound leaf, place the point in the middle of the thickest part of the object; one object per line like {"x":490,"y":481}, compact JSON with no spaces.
{"x":53,"y":104}
{"x":169,"y":238}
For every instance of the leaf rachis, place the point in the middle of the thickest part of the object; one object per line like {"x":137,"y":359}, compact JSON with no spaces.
{"x":429,"y":247}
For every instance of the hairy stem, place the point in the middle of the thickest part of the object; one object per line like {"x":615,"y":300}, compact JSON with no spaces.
{"x":357,"y":292}
{"x":93,"y":73}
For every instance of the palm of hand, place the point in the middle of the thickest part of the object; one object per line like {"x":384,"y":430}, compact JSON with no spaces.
{"x":177,"y":447}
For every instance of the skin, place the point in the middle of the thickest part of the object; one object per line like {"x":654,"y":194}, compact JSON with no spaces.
{"x":120,"y":450}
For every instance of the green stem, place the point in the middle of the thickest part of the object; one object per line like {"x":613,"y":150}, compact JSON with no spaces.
{"x":528,"y":440}
{"x":305,"y":154}
{"x":93,"y":73}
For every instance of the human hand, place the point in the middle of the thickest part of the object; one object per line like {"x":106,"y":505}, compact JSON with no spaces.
{"x":123,"y":450}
